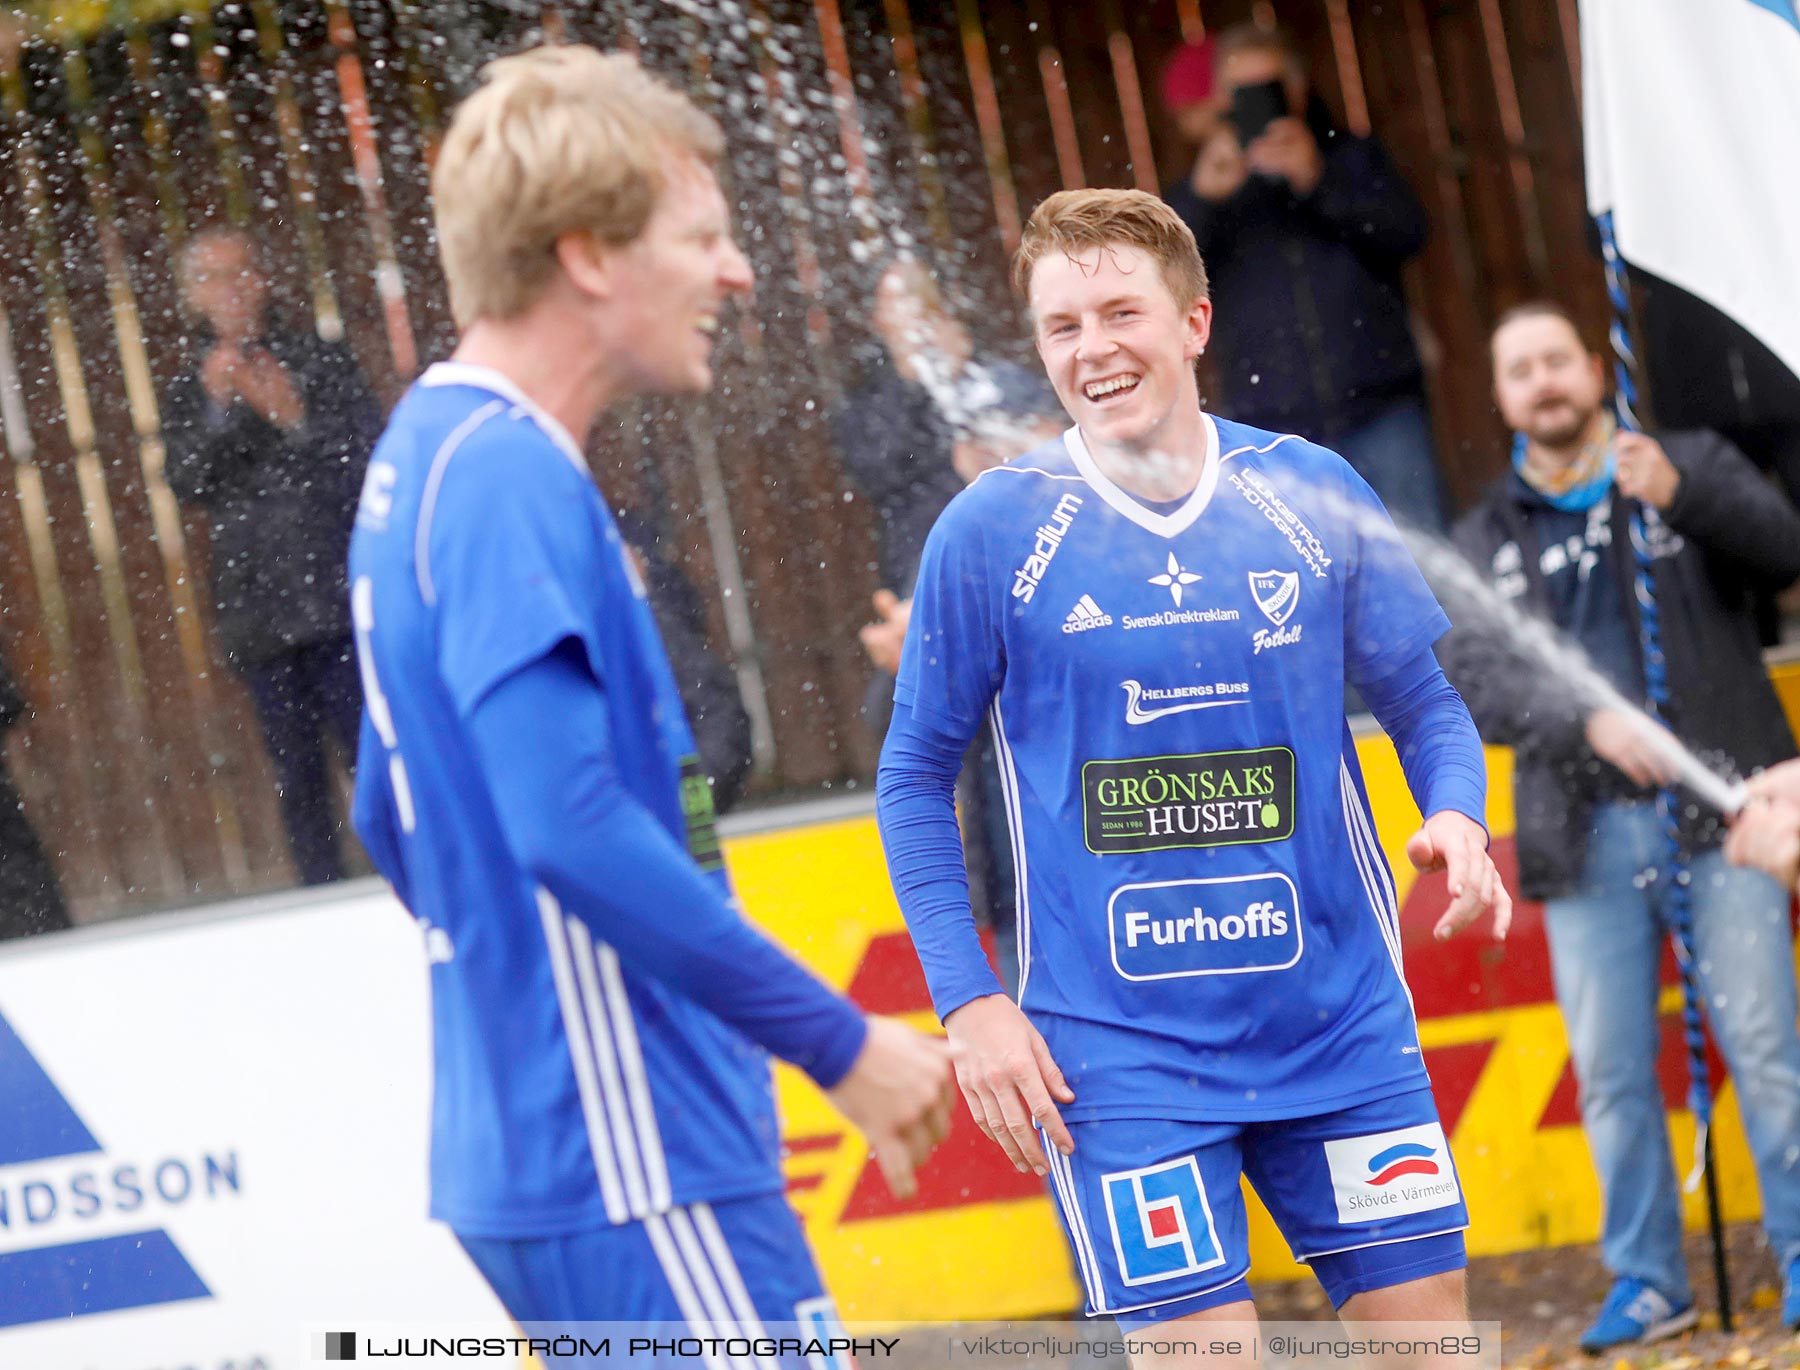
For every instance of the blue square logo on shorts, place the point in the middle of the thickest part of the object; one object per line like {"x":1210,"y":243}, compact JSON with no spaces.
{"x":1162,"y":1225}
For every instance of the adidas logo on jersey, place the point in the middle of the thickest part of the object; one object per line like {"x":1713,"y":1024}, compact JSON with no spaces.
{"x":1085,"y":615}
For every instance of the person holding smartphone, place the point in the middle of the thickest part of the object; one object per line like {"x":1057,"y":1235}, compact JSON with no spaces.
{"x":1304,"y":229}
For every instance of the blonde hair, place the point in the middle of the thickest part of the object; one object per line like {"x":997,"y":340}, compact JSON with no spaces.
{"x":556,"y":140}
{"x":1076,"y":221}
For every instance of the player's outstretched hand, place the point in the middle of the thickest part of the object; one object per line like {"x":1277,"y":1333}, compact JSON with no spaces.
{"x":1009,"y":1080}
{"x":899,"y":1094}
{"x":1457,"y":845}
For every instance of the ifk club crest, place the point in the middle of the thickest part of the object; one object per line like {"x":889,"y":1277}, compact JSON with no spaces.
{"x":1276,"y":593}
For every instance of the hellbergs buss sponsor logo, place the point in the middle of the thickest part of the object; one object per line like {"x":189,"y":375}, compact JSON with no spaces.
{"x":1386,"y":1174}
{"x":81,"y":1225}
{"x":1048,"y":537}
{"x":1086,"y":616}
{"x":1190,"y":696}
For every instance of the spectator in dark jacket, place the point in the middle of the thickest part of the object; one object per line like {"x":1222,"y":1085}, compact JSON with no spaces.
{"x":269,"y":433}
{"x":1304,"y":229}
{"x":30,"y":899}
{"x":1555,"y":540}
{"x":928,"y":418}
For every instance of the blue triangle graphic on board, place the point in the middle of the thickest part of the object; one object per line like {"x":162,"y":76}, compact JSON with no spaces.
{"x":72,"y":1279}
{"x":37,"y":1122}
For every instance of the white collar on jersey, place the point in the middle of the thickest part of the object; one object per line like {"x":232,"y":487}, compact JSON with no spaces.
{"x":1164,"y":525}
{"x":498,"y":383}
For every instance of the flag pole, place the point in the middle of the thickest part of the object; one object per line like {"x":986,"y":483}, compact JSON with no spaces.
{"x":1673,"y":873}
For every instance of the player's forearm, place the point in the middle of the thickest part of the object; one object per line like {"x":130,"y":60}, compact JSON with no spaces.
{"x":1439,"y":748}
{"x":915,"y":805}
{"x":543,"y":739}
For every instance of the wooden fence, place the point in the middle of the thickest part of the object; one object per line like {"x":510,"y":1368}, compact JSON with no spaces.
{"x":853,"y":124}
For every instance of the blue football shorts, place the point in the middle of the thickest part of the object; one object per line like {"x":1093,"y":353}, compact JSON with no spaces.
{"x":739,"y":1269}
{"x":1368,"y":1196}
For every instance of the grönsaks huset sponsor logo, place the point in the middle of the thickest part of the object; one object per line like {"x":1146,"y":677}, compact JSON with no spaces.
{"x":1202,"y":799}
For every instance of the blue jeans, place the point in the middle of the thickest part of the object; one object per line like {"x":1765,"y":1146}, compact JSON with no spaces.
{"x":1606,"y":942}
{"x":1396,"y":455}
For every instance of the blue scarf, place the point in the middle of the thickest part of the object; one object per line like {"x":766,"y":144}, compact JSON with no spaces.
{"x":1577,"y":499}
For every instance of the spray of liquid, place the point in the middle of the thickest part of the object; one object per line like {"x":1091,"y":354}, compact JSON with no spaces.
{"x":1475,"y":602}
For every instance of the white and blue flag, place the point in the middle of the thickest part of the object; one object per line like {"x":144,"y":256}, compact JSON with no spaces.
{"x":1692,"y":115}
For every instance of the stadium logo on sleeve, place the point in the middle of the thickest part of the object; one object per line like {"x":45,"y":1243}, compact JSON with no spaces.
{"x":1387,"y":1174}
{"x":79,"y":1227}
{"x":1206,"y":799}
{"x":1048,"y":537}
{"x":1162,"y":1225}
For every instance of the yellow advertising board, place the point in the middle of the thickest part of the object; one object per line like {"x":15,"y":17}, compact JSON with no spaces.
{"x":981,"y":1241}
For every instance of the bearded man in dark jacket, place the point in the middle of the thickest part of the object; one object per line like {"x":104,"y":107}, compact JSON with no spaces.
{"x":1555,"y":539}
{"x":269,"y":434}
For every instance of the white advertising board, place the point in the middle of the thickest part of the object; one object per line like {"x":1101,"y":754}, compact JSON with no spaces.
{"x":213,"y":1134}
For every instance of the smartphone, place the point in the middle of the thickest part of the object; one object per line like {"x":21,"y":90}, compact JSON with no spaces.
{"x":1254,"y":108}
